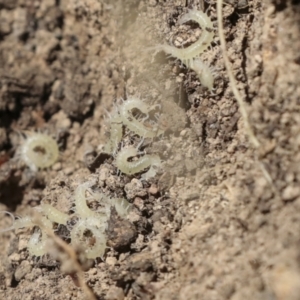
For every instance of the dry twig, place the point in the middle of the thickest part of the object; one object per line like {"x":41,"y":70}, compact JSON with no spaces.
{"x":72,"y":256}
{"x":238,"y":97}
{"x":232,"y":81}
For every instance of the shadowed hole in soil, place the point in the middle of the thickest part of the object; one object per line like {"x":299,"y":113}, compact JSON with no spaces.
{"x":11,"y":193}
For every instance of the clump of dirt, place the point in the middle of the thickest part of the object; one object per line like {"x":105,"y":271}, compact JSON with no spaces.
{"x":221,"y":219}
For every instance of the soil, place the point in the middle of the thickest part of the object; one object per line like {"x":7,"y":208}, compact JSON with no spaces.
{"x":221,"y":219}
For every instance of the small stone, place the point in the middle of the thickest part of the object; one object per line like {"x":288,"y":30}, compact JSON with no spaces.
{"x":157,"y":215}
{"x":63,"y":121}
{"x":93,"y":271}
{"x":190,"y":165}
{"x":133,"y":217}
{"x":121,"y":233}
{"x":56,"y":166}
{"x":183,"y":132}
{"x":111,"y":181}
{"x":111,"y":261}
{"x":138,"y":202}
{"x":69,"y":170}
{"x":66,"y":123}
{"x":15,"y":257}
{"x":77,"y":139}
{"x":103,"y":174}
{"x":23,"y":269}
{"x":115,"y":293}
{"x":285,"y":283}
{"x":290,"y":193}
{"x":166,"y":181}
{"x":22,"y":244}
{"x":178,"y":42}
{"x":135,"y":188}
{"x":189,"y":196}
{"x":158,"y":227}
{"x":179,"y":78}
{"x":153,"y":190}
{"x":227,"y":290}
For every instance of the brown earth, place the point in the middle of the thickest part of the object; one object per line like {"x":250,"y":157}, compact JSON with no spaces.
{"x":221,"y":220}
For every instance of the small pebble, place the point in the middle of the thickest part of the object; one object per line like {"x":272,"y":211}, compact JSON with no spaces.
{"x":111,"y":261}
{"x":93,"y":271}
{"x":15,"y":257}
{"x":153,"y":190}
{"x":115,"y":293}
{"x":69,"y":170}
{"x":57,"y":166}
{"x":135,"y":188}
{"x":138,"y":202}
{"x":290,"y":193}
{"x":23,"y":269}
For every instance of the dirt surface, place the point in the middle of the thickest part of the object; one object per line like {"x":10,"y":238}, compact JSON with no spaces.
{"x":221,"y":220}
